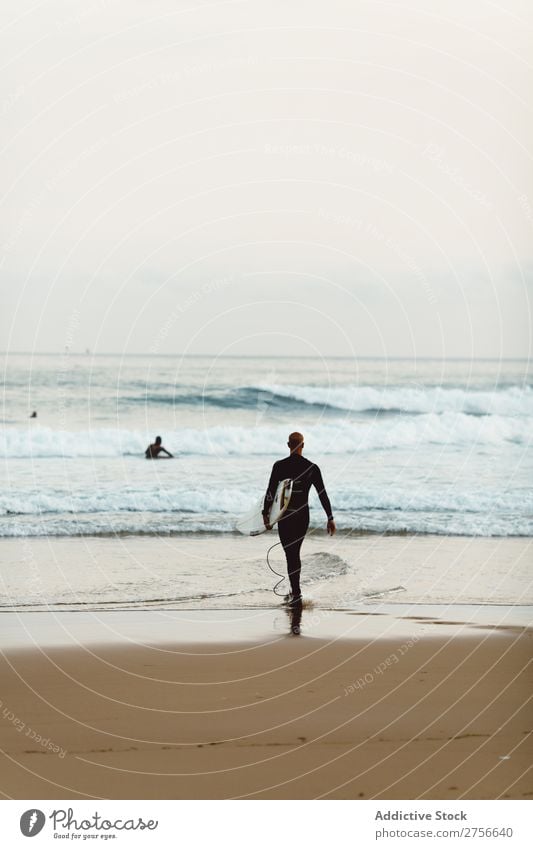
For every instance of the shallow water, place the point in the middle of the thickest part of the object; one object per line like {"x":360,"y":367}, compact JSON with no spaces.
{"x":220,"y":572}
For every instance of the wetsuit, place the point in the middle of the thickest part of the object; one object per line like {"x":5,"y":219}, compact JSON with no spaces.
{"x":153,"y":451}
{"x":293,"y":524}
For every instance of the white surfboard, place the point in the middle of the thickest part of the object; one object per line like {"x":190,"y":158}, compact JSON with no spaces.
{"x":251,"y":524}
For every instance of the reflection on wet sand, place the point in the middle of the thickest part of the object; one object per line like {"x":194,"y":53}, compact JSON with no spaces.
{"x":294,"y":612}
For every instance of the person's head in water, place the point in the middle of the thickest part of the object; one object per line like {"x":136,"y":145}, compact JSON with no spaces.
{"x":158,"y":440}
{"x":296,"y":442}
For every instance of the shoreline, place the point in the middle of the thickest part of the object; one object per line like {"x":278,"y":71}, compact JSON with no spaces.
{"x":232,"y":534}
{"x":65,"y":629}
{"x":317,"y":531}
{"x":222,"y":571}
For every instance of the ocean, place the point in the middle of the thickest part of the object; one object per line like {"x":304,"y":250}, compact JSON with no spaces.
{"x":425,"y":449}
{"x":419,"y":447}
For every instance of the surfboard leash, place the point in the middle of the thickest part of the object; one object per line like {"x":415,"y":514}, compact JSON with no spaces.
{"x":282,"y":577}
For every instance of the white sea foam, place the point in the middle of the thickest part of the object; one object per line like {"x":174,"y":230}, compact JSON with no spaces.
{"x":510,"y":401}
{"x":125,"y":500}
{"x":184,"y":499}
{"x":340,"y":437}
{"x":180,"y":509}
{"x":457,"y":524}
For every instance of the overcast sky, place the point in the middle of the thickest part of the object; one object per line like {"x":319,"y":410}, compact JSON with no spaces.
{"x":253,"y":177}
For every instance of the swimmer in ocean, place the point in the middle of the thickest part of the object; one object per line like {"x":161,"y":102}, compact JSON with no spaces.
{"x":153,"y":450}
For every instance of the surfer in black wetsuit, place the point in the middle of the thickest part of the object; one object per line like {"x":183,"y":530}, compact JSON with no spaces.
{"x":294,"y":523}
{"x":153,"y":450}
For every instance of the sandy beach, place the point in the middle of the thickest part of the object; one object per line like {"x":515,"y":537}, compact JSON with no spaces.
{"x":364,"y":705}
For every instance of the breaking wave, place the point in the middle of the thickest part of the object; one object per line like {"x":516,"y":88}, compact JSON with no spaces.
{"x":507,"y":401}
{"x":230,"y":501}
{"x":510,"y":401}
{"x":182,"y":510}
{"x":431,"y":428}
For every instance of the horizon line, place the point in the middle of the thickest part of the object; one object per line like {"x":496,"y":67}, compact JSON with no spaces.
{"x":89,"y":353}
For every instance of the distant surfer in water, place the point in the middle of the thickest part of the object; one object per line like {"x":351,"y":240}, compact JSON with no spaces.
{"x":153,"y":450}
{"x":294,"y":523}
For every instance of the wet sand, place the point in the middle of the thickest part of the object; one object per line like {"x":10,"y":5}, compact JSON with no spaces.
{"x":362,"y":705}
{"x":208,"y":571}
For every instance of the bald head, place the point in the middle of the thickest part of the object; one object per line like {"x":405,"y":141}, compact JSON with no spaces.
{"x":296,"y":442}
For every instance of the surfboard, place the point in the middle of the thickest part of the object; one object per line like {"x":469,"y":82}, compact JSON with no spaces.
{"x":251,"y":524}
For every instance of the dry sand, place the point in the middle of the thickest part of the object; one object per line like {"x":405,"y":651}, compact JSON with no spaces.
{"x":425,"y":711}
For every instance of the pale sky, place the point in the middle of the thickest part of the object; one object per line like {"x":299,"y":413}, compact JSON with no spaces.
{"x":330,"y":178}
